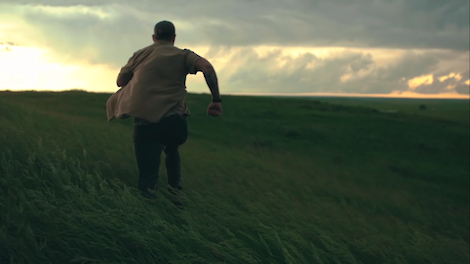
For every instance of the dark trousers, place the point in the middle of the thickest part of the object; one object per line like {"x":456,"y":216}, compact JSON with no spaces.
{"x":149,"y":141}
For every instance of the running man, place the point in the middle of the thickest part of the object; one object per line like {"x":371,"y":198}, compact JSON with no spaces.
{"x":153,"y":92}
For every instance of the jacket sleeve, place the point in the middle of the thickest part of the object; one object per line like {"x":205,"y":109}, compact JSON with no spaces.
{"x":126,"y":72}
{"x":190,"y":61}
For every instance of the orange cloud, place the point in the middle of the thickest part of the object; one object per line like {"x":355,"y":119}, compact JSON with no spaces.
{"x":457,"y":76}
{"x":346,"y":77}
{"x":421,"y":80}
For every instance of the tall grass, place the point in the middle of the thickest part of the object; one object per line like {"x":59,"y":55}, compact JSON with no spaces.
{"x":272,"y":181}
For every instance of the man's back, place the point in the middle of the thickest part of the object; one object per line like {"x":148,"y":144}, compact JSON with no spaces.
{"x":158,"y":83}
{"x":163,"y":67}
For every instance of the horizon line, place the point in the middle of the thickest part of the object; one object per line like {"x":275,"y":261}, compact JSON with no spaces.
{"x":396,"y":95}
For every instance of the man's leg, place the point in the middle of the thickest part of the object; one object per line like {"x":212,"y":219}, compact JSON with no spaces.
{"x":174,"y":134}
{"x":173,"y":166}
{"x":148,"y":153}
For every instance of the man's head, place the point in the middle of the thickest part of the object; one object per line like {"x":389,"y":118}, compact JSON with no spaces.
{"x":164,"y":31}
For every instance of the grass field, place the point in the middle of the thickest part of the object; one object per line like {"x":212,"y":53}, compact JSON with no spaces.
{"x":271,"y":181}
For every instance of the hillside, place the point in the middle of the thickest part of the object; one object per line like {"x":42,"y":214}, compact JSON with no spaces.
{"x":271,"y":181}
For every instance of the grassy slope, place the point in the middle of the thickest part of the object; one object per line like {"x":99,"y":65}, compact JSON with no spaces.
{"x":272,"y":181}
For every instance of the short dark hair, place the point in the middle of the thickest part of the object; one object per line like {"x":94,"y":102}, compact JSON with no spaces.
{"x":164,"y":30}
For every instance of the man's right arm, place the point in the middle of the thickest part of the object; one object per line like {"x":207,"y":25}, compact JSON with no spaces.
{"x":124,"y":78}
{"x":208,"y":70}
{"x":126,"y":73}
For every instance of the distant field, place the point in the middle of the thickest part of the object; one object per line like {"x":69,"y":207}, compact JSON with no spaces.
{"x":455,"y":109}
{"x":274,"y":180}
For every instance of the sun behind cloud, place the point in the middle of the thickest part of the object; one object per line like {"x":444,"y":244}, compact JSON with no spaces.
{"x":26,"y":68}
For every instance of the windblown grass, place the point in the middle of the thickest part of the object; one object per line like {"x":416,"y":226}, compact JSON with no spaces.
{"x":272,"y":181}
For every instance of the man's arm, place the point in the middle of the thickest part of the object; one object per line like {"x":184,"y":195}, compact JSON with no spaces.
{"x":124,"y":78}
{"x":208,"y":70}
{"x":126,"y":73}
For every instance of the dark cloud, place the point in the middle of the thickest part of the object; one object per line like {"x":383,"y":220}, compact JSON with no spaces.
{"x":409,"y":65}
{"x":361,"y":23}
{"x":462,"y":89}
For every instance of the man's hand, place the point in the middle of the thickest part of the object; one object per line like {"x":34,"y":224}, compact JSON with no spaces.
{"x":214,"y":109}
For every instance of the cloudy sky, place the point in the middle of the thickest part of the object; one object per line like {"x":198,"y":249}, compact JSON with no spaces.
{"x":361,"y":47}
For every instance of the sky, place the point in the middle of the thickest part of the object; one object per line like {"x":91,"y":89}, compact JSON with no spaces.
{"x":397,"y":48}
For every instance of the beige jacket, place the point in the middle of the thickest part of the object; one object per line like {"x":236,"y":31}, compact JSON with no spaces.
{"x":158,"y":84}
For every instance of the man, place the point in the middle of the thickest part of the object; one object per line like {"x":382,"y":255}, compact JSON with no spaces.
{"x":153,"y":92}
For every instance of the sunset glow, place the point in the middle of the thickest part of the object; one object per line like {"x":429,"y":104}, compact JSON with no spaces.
{"x":29,"y":68}
{"x":60,"y":46}
{"x":395,"y":94}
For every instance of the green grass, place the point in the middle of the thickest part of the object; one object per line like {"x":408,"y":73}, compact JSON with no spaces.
{"x":271,"y":181}
{"x":450,"y":109}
